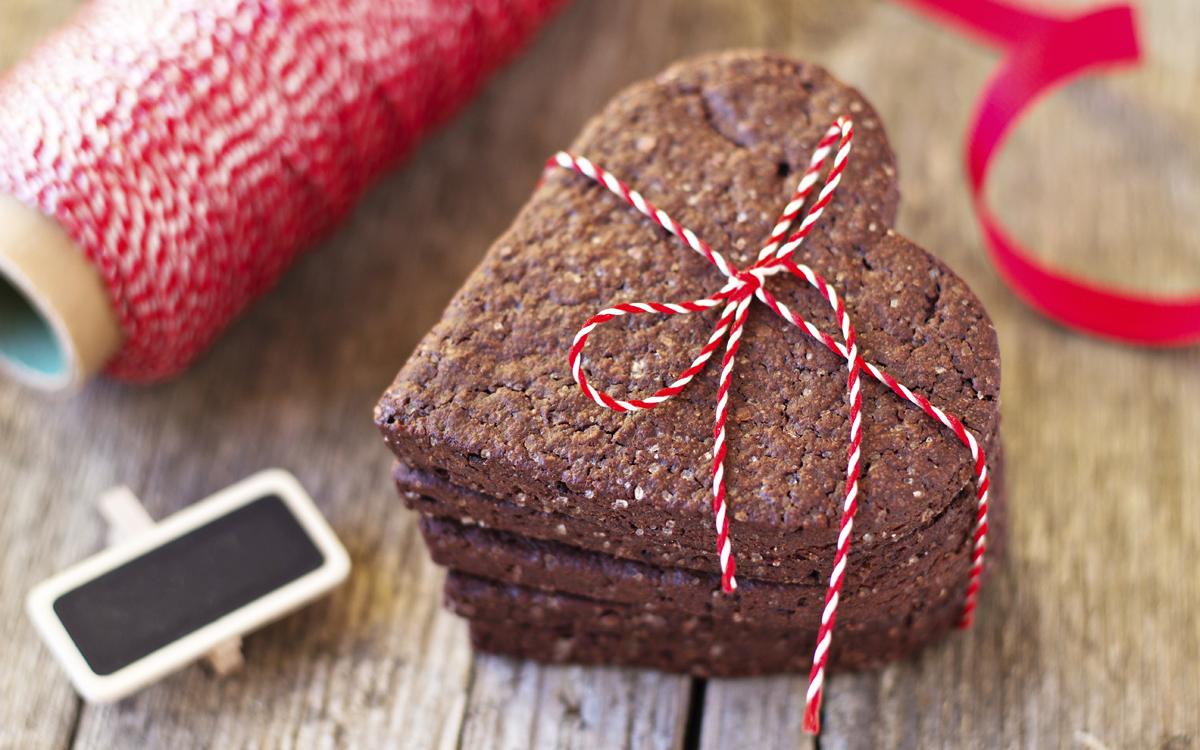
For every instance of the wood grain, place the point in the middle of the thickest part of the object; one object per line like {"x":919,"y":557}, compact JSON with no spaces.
{"x":1087,"y":637}
{"x":762,"y":713}
{"x":519,"y":705}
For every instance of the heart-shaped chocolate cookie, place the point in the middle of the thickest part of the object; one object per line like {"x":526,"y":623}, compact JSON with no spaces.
{"x":491,"y":429}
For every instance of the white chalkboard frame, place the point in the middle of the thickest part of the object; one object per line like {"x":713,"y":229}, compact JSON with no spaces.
{"x":129,"y":679}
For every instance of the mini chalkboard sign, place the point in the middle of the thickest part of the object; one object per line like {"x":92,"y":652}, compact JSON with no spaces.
{"x":167,"y":594}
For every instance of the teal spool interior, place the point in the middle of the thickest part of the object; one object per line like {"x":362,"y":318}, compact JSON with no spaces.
{"x":26,"y":338}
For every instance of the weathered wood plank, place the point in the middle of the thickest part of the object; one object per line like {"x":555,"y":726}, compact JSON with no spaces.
{"x":518,"y":704}
{"x":39,"y":712}
{"x":1087,"y":637}
{"x":763,"y":713}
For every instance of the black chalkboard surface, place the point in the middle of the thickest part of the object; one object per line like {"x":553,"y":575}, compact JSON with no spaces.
{"x":153,"y":600}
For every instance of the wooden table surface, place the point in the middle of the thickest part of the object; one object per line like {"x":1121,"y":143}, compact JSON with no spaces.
{"x":1087,"y":638}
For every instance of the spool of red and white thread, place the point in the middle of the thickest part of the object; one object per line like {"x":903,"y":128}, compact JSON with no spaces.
{"x":162,"y":162}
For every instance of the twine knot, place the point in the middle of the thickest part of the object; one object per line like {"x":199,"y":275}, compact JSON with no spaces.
{"x":742,"y":287}
{"x":752,"y":279}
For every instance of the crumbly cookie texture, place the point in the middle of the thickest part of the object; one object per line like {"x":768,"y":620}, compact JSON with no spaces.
{"x":878,"y":589}
{"x":705,"y":648}
{"x":788,"y":561}
{"x":487,"y":402}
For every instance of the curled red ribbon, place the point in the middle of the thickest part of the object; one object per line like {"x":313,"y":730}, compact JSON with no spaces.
{"x":1045,"y":50}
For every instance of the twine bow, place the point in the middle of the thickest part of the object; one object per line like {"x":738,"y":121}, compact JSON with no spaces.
{"x":742,"y":287}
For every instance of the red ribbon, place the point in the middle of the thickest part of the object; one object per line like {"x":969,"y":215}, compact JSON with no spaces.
{"x":1045,"y":50}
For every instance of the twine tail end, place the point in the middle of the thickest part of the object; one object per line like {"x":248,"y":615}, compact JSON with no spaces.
{"x":966,"y":621}
{"x":812,"y":717}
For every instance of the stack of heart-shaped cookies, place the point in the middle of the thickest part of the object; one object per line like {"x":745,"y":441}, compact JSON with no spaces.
{"x":579,"y":534}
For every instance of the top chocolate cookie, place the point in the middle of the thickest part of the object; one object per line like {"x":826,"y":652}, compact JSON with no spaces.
{"x":488,"y":402}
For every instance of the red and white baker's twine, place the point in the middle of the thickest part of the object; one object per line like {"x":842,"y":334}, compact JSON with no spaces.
{"x":743,"y":286}
{"x":193,"y":148}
